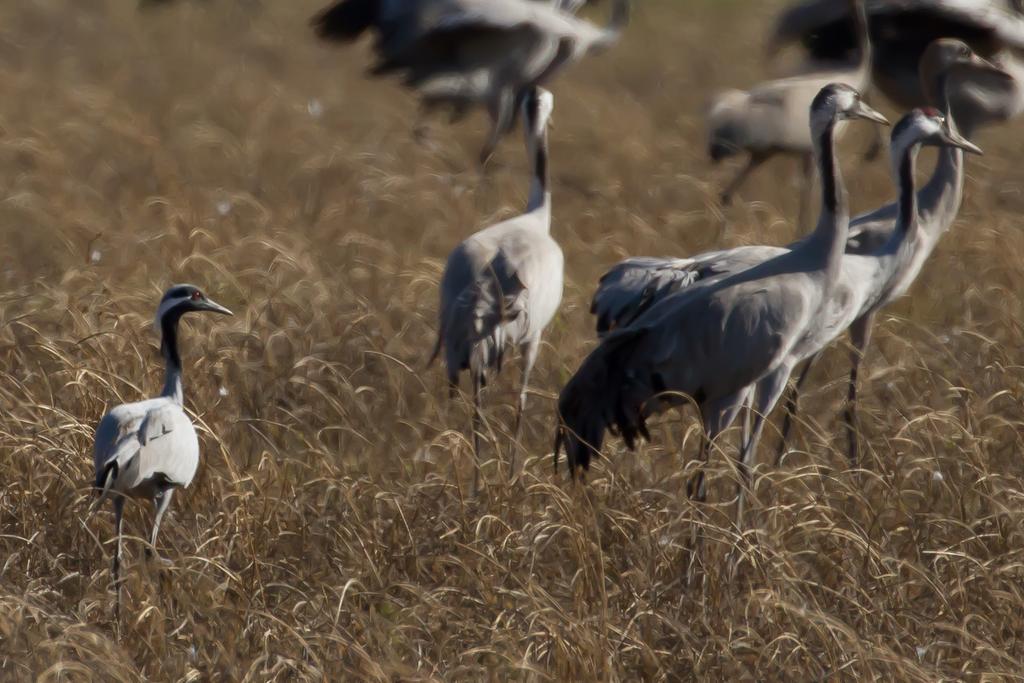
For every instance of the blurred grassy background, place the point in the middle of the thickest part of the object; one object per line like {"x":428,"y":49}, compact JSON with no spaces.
{"x":327,"y":535}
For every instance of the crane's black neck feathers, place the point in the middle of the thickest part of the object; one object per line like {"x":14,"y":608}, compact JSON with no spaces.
{"x":169,"y":347}
{"x":169,"y":334}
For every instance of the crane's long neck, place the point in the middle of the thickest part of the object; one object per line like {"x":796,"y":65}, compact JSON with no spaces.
{"x":861,"y":30}
{"x":906,"y":164}
{"x":540,"y":189}
{"x":940,"y":197}
{"x":172,"y":361}
{"x":829,"y":237}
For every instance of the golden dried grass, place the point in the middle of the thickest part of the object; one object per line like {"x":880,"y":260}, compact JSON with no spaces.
{"x":328,"y":535}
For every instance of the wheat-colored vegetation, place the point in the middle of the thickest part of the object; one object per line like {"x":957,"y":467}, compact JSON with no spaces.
{"x":329,"y":535}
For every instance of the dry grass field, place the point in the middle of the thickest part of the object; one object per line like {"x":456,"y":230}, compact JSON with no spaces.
{"x":329,"y":534}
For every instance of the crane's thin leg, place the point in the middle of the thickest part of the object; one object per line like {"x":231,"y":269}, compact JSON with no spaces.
{"x":118,"y":519}
{"x":160,"y":503}
{"x":695,"y":488}
{"x":529,"y":351}
{"x":806,"y":186}
{"x":502,"y":110}
{"x":718,"y":415}
{"x":860,"y":336}
{"x":748,"y":412}
{"x":477,"y":380}
{"x":753,"y":162}
{"x":768,"y":391}
{"x":792,"y":404}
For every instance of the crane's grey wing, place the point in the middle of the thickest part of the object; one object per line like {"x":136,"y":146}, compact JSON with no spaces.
{"x":869,"y":232}
{"x":347,"y":20}
{"x":501,"y":295}
{"x":137,"y":442}
{"x":635,"y":285}
{"x":479,"y":307}
{"x":397,"y":23}
{"x":169,"y":447}
{"x":826,"y":30}
{"x":808,"y":17}
{"x":116,"y":440}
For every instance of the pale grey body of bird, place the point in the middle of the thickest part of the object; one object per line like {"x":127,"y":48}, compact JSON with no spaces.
{"x":468,"y":53}
{"x":636,"y":284}
{"x":714,"y":342}
{"x":901,"y":31}
{"x":503,"y":285}
{"x":770,"y":118}
{"x":149,"y":448}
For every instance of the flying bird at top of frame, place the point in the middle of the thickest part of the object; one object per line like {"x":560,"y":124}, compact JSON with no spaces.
{"x":900,"y":32}
{"x":462,"y":54}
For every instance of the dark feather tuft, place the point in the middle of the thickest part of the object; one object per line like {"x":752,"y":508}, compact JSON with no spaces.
{"x":346,"y":20}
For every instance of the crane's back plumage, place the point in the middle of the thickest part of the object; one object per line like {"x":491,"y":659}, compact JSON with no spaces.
{"x":634,"y":285}
{"x":150,"y":443}
{"x":500,"y":287}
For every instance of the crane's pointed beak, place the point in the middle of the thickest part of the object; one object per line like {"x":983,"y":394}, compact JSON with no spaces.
{"x":863,"y":111}
{"x":956,"y":140}
{"x":990,"y":67}
{"x":214,"y":307}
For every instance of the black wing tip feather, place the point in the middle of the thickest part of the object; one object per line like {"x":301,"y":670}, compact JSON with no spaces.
{"x":593,"y":402}
{"x":103,"y":476}
{"x":346,"y":20}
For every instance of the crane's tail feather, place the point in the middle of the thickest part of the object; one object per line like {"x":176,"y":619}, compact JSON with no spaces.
{"x":604,"y":394}
{"x":104,"y":481}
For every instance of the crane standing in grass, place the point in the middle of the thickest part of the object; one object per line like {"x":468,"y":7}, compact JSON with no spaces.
{"x":716,"y":342}
{"x":149,"y":448}
{"x":949,"y":72}
{"x":462,"y":54}
{"x":502,"y":285}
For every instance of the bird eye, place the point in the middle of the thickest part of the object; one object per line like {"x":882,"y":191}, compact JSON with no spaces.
{"x":196,"y":295}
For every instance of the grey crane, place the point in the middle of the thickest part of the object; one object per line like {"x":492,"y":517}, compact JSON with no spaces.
{"x":901,"y":31}
{"x":770,"y":118}
{"x":714,"y":342}
{"x":462,"y":54}
{"x":502,"y":286}
{"x":948,"y":67}
{"x":149,"y":448}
